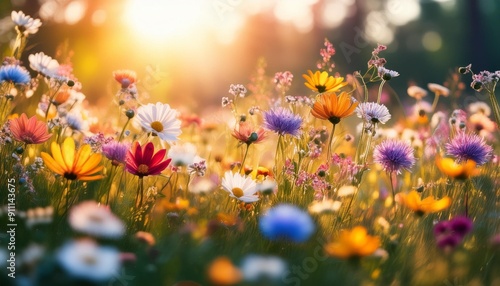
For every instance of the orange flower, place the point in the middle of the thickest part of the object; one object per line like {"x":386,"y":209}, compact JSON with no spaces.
{"x":353,"y":243}
{"x":321,"y":82}
{"x":428,"y":205}
{"x":222,"y":272}
{"x":29,"y":131}
{"x":332,"y":107}
{"x":71,"y":164}
{"x":458,"y":171}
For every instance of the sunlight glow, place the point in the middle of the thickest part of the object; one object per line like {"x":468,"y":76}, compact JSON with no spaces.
{"x":164,"y":19}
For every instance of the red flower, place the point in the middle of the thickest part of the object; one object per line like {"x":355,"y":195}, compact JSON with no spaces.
{"x":125,"y":77}
{"x":143,"y":161}
{"x":247,"y":134}
{"x":29,"y":131}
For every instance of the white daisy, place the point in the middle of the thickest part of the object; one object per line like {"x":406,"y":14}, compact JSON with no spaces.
{"x":240,"y":187}
{"x":255,"y":267}
{"x":85,"y":259}
{"x":43,"y":64}
{"x":159,"y":119}
{"x":373,"y":112}
{"x":91,"y":218}
{"x":182,"y":154}
{"x":324,"y":206}
{"x":25,"y":23}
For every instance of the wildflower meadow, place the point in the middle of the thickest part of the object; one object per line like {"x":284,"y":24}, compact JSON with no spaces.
{"x":336,"y":186}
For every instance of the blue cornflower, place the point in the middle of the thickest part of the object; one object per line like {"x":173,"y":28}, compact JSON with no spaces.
{"x":282,"y":121}
{"x":469,"y":147}
{"x":15,"y":74}
{"x":394,"y":155}
{"x":287,"y":222}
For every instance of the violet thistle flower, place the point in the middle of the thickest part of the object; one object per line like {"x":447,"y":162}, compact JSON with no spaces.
{"x":394,"y":156}
{"x":282,"y":121}
{"x":469,"y":147}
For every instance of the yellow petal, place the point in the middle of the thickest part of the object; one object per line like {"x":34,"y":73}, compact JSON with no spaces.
{"x":56,"y":154}
{"x":68,"y":152}
{"x":82,"y":157}
{"x":90,"y":166}
{"x":52,"y":164}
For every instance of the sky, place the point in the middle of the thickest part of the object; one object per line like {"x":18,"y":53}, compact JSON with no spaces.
{"x":189,"y":52}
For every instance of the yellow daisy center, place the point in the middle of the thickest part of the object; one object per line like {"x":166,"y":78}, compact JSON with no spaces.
{"x":143,"y":169}
{"x":157,"y":126}
{"x":237,"y":192}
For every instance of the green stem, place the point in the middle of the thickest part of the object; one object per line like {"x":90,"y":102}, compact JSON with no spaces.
{"x":380,"y":91}
{"x":435,"y":102}
{"x":496,"y":108}
{"x":329,"y":149}
{"x":123,"y":130}
{"x":242,"y":169}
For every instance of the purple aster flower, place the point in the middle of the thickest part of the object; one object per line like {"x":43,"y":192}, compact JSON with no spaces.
{"x":287,"y":222}
{"x":116,"y":152}
{"x":469,"y":147}
{"x":394,"y":155}
{"x":447,"y":241}
{"x":282,"y":121}
{"x":442,"y":228}
{"x":450,"y":233}
{"x":460,"y":225}
{"x":372,"y":112}
{"x":15,"y":74}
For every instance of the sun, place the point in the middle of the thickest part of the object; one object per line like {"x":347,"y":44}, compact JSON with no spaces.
{"x":164,"y":19}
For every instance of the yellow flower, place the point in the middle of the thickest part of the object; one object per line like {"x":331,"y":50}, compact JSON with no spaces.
{"x":71,"y":164}
{"x":332,"y":107}
{"x":321,"y":81}
{"x":458,"y":171}
{"x":353,"y":243}
{"x":428,"y":205}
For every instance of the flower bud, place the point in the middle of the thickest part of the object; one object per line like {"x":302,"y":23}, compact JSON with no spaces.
{"x":253,"y":137}
{"x":130,"y":113}
{"x":70,"y":83}
{"x":462,"y":70}
{"x":477,"y":85}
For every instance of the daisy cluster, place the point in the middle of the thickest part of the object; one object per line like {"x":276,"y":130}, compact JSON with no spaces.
{"x":337,"y":185}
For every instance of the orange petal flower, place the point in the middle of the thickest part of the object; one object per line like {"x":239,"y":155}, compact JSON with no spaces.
{"x":321,"y":81}
{"x":353,"y":243}
{"x":428,"y":205}
{"x":245,"y":133}
{"x":332,"y":107}
{"x":458,"y":171}
{"x":71,"y":164}
{"x":29,"y":131}
{"x":222,"y":272}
